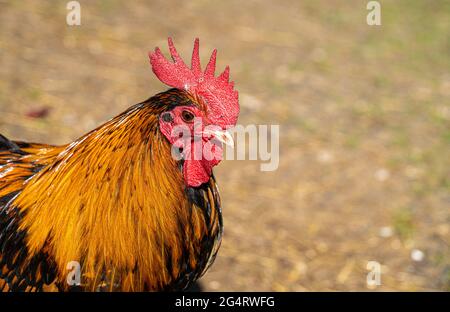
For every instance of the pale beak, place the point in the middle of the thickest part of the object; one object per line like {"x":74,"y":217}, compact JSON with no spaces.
{"x":221,"y":135}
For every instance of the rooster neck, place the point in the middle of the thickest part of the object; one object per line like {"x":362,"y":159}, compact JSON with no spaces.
{"x":115,"y":201}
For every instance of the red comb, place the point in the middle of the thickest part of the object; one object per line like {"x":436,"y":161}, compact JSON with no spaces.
{"x":218,"y":93}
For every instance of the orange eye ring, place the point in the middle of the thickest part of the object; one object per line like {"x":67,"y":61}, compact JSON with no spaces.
{"x":187,"y":116}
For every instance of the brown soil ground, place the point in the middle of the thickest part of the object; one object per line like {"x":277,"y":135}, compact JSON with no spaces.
{"x":363,"y":111}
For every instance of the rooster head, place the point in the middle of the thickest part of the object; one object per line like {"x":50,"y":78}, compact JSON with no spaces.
{"x":198,"y":127}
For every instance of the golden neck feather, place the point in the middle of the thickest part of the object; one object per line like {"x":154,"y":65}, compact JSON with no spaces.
{"x":117,"y":184}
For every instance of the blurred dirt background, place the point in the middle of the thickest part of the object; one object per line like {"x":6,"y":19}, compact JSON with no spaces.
{"x":364,"y":115}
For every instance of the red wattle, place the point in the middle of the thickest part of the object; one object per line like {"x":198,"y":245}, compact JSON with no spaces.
{"x":196,"y":172}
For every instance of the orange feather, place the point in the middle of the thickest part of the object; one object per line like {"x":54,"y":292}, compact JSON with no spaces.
{"x":114,"y":201}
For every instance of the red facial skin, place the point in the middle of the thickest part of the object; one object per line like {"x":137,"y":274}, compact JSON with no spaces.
{"x":197,"y":168}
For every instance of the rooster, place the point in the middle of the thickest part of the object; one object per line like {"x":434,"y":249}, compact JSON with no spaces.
{"x":128,"y":202}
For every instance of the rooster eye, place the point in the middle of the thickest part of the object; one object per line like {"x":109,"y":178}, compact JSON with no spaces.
{"x":187,"y":116}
